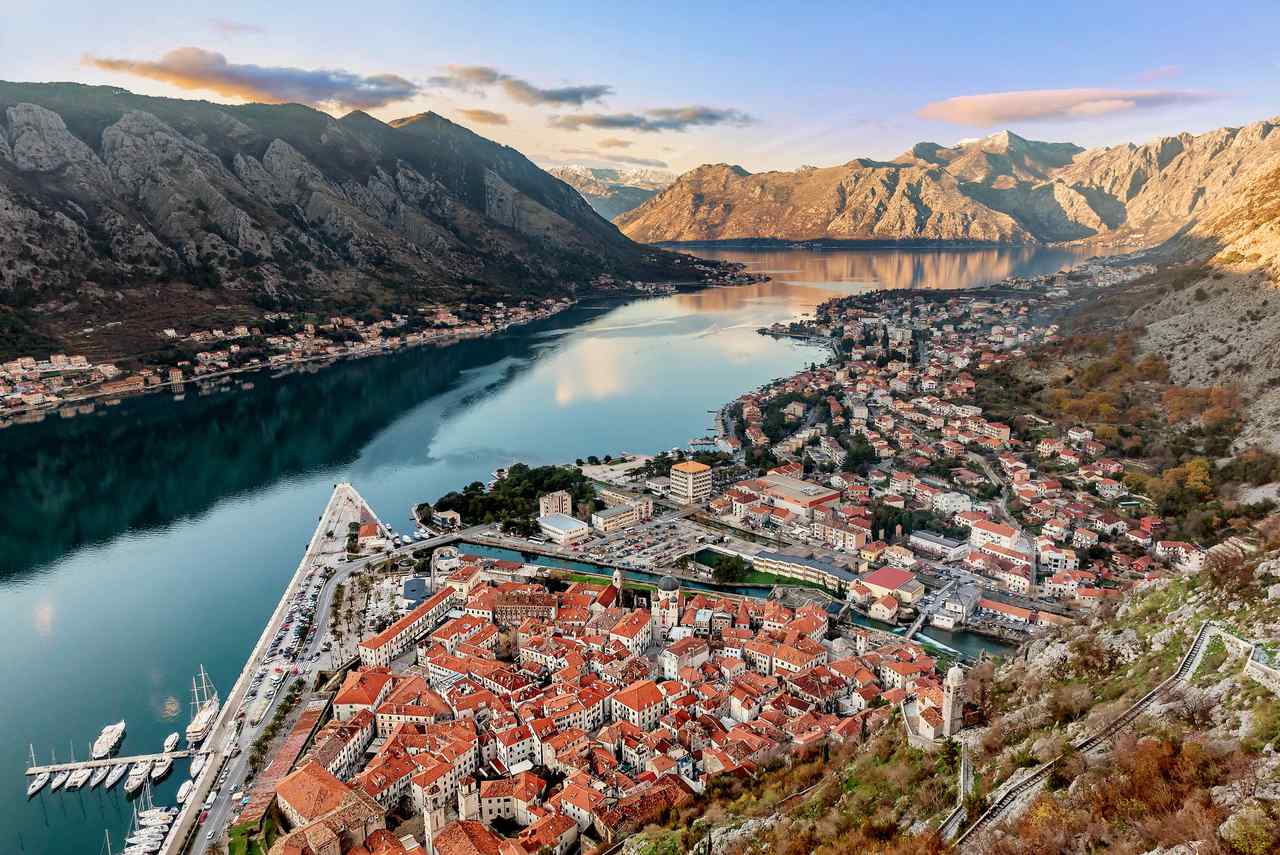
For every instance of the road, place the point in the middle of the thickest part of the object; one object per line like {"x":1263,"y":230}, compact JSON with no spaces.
{"x":995,"y":479}
{"x":324,"y":550}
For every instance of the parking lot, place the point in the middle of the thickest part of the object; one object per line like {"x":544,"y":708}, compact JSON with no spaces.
{"x":651,"y":545}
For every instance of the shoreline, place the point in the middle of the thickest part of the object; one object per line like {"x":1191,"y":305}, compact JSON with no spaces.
{"x":37,"y":413}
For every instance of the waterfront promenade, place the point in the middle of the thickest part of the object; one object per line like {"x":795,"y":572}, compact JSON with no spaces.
{"x":344,"y":506}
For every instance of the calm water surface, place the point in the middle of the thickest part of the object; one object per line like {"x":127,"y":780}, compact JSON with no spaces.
{"x":146,"y":539}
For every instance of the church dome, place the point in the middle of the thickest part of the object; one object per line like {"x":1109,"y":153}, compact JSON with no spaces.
{"x":668,"y":583}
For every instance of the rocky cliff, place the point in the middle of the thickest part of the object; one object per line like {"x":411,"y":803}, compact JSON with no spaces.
{"x":1000,"y":188}
{"x":103,"y":192}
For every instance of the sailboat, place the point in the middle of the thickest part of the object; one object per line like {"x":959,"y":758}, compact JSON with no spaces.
{"x":204,"y":704}
{"x":59,"y":779}
{"x":37,"y":783}
{"x":116,"y":773}
{"x":99,"y":775}
{"x":79,"y":777}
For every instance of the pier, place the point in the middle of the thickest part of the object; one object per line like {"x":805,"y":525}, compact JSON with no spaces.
{"x":53,"y":768}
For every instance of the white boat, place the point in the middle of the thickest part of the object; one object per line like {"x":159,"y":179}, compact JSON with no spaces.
{"x":99,"y":775}
{"x":161,"y":822}
{"x":204,"y":704}
{"x":59,"y":779}
{"x":79,"y":778}
{"x":137,"y":776}
{"x":171,"y":742}
{"x":185,"y":790}
{"x":161,"y":768}
{"x":159,"y":811}
{"x":116,"y":773}
{"x":107,"y":740}
{"x":37,"y":783}
{"x":197,"y":765}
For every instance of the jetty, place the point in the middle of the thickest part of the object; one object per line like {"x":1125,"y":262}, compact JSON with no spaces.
{"x":54,"y":768}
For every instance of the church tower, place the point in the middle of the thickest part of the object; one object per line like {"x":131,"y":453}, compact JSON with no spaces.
{"x":666,"y":611}
{"x":617,"y":582}
{"x":953,"y":701}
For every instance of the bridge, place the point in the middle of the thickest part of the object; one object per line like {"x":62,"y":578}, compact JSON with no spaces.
{"x":1011,"y":795}
{"x":54,"y":768}
{"x":915,"y":627}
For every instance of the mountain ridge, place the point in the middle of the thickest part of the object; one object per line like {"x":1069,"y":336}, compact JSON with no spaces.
{"x":112,"y":202}
{"x":1002,"y":188}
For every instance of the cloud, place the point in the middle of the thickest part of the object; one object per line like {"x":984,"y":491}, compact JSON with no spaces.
{"x":651,"y":121}
{"x":1162,"y":73}
{"x":484,"y":117}
{"x":232,"y":29}
{"x":614,"y":142}
{"x":193,"y":68}
{"x":527,"y":93}
{"x":615,"y":158}
{"x":465,"y":78}
{"x":1039,"y":104}
{"x":475,"y":78}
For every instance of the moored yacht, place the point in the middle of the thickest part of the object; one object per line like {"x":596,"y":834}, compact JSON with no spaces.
{"x":171,"y":741}
{"x":185,"y":790}
{"x":107,"y":740}
{"x":197,"y":765}
{"x":79,"y":778}
{"x":37,"y":783}
{"x":137,"y":776}
{"x":59,"y":779}
{"x":161,"y":768}
{"x":99,"y":775}
{"x":116,"y":773}
{"x":204,"y":704}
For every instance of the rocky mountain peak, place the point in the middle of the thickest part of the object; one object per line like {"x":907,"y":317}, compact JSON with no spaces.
{"x":1002,"y":187}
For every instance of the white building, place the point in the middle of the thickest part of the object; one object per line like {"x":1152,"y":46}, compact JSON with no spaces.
{"x":562,"y":528}
{"x":690,"y":482}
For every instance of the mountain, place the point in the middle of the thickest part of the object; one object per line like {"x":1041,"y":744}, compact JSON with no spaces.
{"x":613,"y":191}
{"x":115,"y":205}
{"x":1001,"y":188}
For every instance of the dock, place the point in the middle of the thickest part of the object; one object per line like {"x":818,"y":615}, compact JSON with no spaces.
{"x":54,"y":768}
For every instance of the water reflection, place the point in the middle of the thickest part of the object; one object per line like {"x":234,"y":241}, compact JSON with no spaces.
{"x":905,"y":268}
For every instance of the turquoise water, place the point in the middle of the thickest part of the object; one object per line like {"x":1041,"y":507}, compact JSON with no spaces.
{"x":143,"y":540}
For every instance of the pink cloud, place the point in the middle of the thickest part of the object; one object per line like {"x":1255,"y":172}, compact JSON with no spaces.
{"x":997,"y":108}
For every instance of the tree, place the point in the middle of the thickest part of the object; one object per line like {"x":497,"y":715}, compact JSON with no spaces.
{"x":729,"y":569}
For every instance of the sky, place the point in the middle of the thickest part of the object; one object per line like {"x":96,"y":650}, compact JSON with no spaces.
{"x":767,"y":86}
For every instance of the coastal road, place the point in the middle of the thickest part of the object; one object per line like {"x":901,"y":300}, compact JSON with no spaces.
{"x":343,"y":508}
